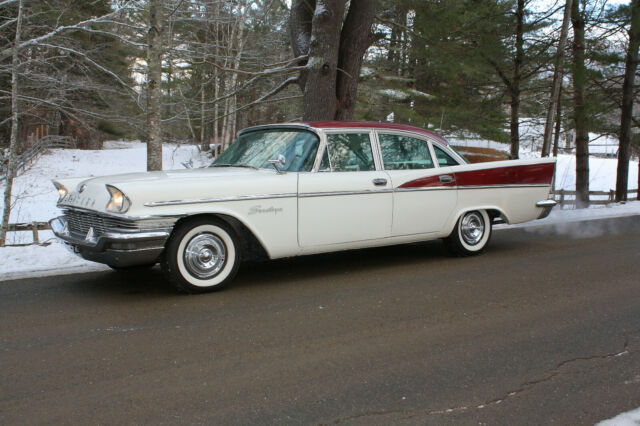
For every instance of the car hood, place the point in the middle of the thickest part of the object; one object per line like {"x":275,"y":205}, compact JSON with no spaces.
{"x":175,"y":186}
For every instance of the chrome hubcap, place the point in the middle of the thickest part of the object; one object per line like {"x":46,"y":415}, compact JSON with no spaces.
{"x":205,"y":255}
{"x":472,"y":228}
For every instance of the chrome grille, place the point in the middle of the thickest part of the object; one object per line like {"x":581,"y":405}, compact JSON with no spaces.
{"x":80,"y":221}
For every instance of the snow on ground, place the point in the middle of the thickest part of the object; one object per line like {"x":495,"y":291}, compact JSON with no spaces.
{"x":36,"y":199}
{"x":630,"y":418}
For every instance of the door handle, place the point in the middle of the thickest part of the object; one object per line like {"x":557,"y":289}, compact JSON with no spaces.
{"x":446,"y":178}
{"x":380,"y":182}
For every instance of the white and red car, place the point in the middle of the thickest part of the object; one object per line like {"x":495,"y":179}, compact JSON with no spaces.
{"x":294,"y":189}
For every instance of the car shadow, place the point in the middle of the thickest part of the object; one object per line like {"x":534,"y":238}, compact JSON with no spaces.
{"x":328,"y":265}
{"x":279,"y":272}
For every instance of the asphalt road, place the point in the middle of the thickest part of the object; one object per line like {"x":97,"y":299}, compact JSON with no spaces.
{"x":544,"y":328}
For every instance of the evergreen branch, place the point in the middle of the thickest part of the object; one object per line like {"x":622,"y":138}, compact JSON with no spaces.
{"x":78,"y":26}
{"x":98,"y":66}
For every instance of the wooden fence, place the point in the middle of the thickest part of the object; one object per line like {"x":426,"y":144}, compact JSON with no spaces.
{"x":27,"y":158}
{"x":568,"y":198}
{"x":33,"y":227}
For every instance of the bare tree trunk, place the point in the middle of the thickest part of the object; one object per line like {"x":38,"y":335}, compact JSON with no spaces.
{"x":515,"y":82}
{"x":556,"y":136}
{"x":204,"y":145}
{"x":580,"y":117}
{"x":627,"y":103}
{"x":13,"y":146}
{"x":319,"y":97}
{"x":154,"y":89}
{"x":354,"y":42}
{"x":215,"y":108}
{"x":300,"y":29}
{"x":557,"y":81}
{"x":233,"y":101}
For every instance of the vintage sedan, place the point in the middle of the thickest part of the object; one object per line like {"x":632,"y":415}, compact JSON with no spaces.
{"x":294,"y":189}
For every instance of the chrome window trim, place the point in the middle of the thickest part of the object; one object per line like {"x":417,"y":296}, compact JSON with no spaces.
{"x":451,"y":153}
{"x":323,"y":146}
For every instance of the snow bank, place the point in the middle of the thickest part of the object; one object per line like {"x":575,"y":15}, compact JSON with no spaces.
{"x":630,"y":418}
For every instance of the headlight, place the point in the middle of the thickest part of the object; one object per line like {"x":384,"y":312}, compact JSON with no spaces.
{"x":62,"y":191}
{"x":119,"y":202}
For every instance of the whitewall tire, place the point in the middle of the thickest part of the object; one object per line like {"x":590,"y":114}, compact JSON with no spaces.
{"x":202,"y":255}
{"x":471,"y":234}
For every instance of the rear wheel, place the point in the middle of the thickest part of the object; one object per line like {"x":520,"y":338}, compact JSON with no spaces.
{"x":202,"y":255}
{"x":471,"y":234}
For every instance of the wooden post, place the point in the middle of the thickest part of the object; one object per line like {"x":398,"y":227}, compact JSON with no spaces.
{"x":34,"y":229}
{"x":561,"y":198}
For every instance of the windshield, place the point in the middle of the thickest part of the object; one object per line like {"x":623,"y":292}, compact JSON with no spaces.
{"x":255,"y":149}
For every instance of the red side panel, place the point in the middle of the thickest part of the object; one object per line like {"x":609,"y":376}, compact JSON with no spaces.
{"x":532,"y":174}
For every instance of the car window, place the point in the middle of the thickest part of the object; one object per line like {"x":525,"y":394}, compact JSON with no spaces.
{"x":350,"y":152}
{"x":324,"y":164}
{"x":256,"y":148}
{"x":444,"y":159}
{"x":404,"y":153}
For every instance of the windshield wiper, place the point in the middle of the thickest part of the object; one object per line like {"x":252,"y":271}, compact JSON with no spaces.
{"x":246,"y":166}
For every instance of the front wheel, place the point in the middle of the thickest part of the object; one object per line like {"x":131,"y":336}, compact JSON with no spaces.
{"x":471,"y":234}
{"x":202,"y":255}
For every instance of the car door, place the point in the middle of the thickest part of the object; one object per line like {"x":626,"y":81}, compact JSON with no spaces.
{"x":348,"y":199}
{"x":424,"y":190}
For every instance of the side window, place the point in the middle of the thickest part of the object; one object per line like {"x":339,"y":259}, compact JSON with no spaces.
{"x":350,"y":152}
{"x":404,"y":153}
{"x":444,"y":159}
{"x":324,"y":164}
{"x":302,"y":153}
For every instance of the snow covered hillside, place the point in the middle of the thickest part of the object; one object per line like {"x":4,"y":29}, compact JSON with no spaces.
{"x":36,"y":197}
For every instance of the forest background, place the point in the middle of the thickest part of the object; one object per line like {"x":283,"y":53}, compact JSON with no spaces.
{"x":196,"y":71}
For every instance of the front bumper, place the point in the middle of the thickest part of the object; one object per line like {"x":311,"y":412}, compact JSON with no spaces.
{"x":119,"y":249}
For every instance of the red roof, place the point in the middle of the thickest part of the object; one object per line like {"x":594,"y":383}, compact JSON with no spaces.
{"x":374,"y":125}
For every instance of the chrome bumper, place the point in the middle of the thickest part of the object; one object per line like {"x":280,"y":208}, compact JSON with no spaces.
{"x":546,"y":206}
{"x":117,"y":249}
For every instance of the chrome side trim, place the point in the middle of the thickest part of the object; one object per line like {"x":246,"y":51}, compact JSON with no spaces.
{"x":218,"y":199}
{"x":319,"y":194}
{"x":526,"y":185}
{"x":427,"y":188}
{"x":440,"y":188}
{"x":339,"y":193}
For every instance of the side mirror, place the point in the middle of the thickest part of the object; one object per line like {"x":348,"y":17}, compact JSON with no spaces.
{"x":279,"y":164}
